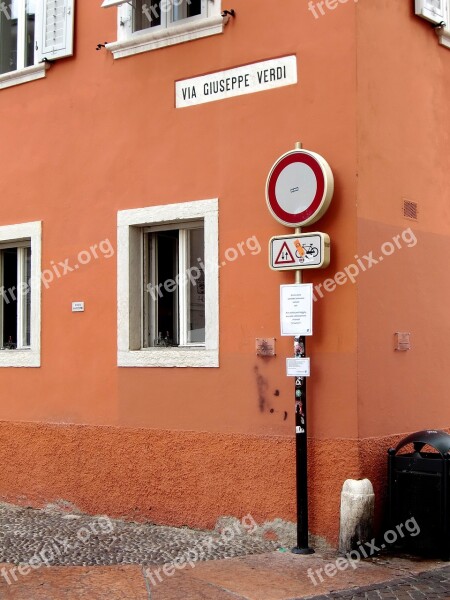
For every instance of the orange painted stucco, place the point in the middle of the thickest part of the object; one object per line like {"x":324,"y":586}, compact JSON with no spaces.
{"x":184,"y":446}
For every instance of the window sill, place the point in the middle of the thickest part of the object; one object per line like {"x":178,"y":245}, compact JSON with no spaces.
{"x":177,"y":34}
{"x":23,"y":75}
{"x":19,"y":358}
{"x":169,"y":357}
{"x":444,"y":37}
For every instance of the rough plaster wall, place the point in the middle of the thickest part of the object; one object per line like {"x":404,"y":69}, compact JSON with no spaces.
{"x":180,"y":478}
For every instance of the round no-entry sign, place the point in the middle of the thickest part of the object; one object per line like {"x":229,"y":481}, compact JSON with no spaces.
{"x":299,"y":188}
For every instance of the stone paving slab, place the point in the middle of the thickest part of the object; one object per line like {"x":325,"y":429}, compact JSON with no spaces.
{"x":274,"y":576}
{"x":76,"y":583}
{"x":283,"y":576}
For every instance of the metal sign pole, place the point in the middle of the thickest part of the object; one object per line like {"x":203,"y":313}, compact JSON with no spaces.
{"x":293,"y":201}
{"x":301,"y":445}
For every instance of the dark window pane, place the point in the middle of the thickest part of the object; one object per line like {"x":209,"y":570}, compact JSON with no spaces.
{"x":194,"y":8}
{"x":147,"y":13}
{"x":196,"y":305}
{"x":183,"y":9}
{"x":8,"y":37}
{"x":9,"y":297}
{"x":167,"y":301}
{"x":27,"y":299}
{"x":29,"y":34}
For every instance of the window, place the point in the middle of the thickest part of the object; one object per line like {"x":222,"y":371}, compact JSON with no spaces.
{"x":20,"y":304}
{"x":17,"y":21}
{"x":15,"y":313}
{"x":168,"y":285}
{"x":154,"y":13}
{"x":31,"y":31}
{"x":432,"y":10}
{"x":149,"y":24}
{"x":438,"y":13}
{"x":174,"y":286}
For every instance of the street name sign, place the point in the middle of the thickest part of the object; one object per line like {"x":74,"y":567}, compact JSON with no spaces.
{"x":256,"y":77}
{"x":299,"y":251}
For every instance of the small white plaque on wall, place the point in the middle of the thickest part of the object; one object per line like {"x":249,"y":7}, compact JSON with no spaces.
{"x":77,"y":306}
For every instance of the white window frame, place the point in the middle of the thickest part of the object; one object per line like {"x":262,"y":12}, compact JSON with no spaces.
{"x":22,"y":74}
{"x":443,"y":33}
{"x":54,"y":27}
{"x":130,"y":42}
{"x":131,"y":225}
{"x":15,"y":235}
{"x":425,"y":10}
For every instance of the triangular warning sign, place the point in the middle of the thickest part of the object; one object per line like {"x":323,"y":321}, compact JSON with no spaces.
{"x":285,"y":256}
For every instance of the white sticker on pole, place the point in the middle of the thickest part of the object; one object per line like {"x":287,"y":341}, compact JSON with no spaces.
{"x":296,"y":309}
{"x":297,"y":367}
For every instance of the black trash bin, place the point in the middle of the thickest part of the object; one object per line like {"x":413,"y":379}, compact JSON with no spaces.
{"x":419,"y":489}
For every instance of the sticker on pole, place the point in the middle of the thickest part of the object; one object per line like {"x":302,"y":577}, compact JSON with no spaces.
{"x":301,"y":251}
{"x":299,"y":188}
{"x":296,"y":309}
{"x":298,"y":367}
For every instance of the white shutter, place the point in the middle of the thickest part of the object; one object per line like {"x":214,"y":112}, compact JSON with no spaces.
{"x":432,"y":10}
{"x":54,"y":29}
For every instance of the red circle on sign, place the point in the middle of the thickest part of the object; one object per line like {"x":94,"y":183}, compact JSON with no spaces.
{"x":294,"y":219}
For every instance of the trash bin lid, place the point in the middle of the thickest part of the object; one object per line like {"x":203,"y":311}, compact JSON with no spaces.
{"x":437,"y":439}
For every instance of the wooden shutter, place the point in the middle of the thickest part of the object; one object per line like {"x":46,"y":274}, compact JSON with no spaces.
{"x":54,"y":29}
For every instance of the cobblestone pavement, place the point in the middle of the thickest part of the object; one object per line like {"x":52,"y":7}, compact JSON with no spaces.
{"x":129,"y":556}
{"x":428,"y":585}
{"x":67,"y":538}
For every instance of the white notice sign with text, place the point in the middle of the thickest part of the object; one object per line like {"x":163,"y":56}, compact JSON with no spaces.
{"x":296,"y":309}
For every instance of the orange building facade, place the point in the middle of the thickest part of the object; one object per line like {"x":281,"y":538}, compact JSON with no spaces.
{"x":126,"y":167}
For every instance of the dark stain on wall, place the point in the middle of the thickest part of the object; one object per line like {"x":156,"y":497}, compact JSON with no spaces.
{"x":262,"y":386}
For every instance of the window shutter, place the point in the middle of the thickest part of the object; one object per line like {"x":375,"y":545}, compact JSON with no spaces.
{"x":432,"y":10}
{"x":54,"y":29}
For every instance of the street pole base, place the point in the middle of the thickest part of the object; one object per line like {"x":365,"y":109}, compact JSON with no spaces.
{"x":298,"y":550}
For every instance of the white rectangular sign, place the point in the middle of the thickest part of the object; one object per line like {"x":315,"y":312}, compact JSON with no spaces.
{"x":297,"y":367}
{"x":299,"y":251}
{"x":249,"y":79}
{"x":296,"y":309}
{"x":77,"y":306}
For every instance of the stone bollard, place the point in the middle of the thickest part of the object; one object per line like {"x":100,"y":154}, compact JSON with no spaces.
{"x":357,"y":510}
